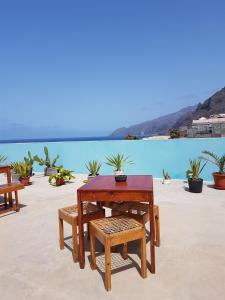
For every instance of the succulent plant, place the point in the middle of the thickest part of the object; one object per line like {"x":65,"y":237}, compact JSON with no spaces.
{"x":196,"y":168}
{"x":117,"y":161}
{"x":21,"y":168}
{"x":219,"y":161}
{"x":62,"y":176}
{"x":166,"y":175}
{"x":47,"y":161}
{"x":93,"y":167}
{"x":2,"y":158}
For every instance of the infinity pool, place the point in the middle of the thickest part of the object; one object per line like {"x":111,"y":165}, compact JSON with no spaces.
{"x":149,"y":156}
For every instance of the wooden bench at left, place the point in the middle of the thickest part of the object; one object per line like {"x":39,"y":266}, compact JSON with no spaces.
{"x":7,"y":190}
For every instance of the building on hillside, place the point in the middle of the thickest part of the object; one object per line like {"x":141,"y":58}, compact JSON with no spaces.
{"x":214,"y":126}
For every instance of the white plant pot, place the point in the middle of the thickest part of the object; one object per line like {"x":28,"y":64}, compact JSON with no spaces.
{"x":15,"y":177}
{"x":50,"y":171}
{"x":166,"y":181}
{"x":116,"y":173}
{"x":91,"y":177}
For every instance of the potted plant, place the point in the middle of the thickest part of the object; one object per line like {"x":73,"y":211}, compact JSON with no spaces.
{"x":195,"y":183}
{"x":61,"y":177}
{"x":117,"y":162}
{"x":93,"y":167}
{"x":23,"y":170}
{"x":2,"y":159}
{"x":166,"y":177}
{"x":29,"y":160}
{"x":219,"y":161}
{"x":50,"y":166}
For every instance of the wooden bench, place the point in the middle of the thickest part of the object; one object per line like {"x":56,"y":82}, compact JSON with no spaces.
{"x":7,"y":190}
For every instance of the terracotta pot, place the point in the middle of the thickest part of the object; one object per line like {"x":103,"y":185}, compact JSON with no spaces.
{"x":25,"y":180}
{"x":59,"y":181}
{"x":219,"y":179}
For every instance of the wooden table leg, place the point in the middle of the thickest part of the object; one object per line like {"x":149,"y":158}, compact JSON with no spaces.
{"x":17,"y":202}
{"x":152,"y":236}
{"x":81,"y":231}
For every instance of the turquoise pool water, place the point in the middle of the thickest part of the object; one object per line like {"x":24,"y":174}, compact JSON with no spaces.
{"x":150,"y":157}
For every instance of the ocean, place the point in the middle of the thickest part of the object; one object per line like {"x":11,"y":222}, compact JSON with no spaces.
{"x":149,"y":156}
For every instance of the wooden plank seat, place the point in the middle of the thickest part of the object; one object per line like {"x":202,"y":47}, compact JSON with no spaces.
{"x":113,"y":231}
{"x":138,"y":211}
{"x":69,"y":214}
{"x":7,"y":190}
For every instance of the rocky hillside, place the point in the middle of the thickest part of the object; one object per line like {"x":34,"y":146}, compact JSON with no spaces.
{"x":160,"y":126}
{"x":213,"y":105}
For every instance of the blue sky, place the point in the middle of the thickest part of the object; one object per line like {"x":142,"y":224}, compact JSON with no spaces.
{"x":89,"y":67}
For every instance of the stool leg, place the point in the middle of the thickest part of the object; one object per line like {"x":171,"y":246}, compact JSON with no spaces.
{"x":157,"y":229}
{"x":107,"y":266}
{"x":75,"y":244}
{"x":92,"y":249}
{"x":143,"y":257}
{"x":125,"y":251}
{"x":61,"y":234}
{"x":88,"y":231}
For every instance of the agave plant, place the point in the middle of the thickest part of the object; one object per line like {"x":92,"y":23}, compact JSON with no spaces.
{"x":46,"y":161}
{"x":117,"y":161}
{"x":219,"y":161}
{"x":22,"y":168}
{"x":2,"y":158}
{"x":196,"y":168}
{"x":93,"y":167}
{"x":166,"y":175}
{"x":29,"y":159}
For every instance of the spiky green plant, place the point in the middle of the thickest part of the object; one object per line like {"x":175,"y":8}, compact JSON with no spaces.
{"x":166,"y":175}
{"x":46,"y":161}
{"x":213,"y":158}
{"x":2,"y":158}
{"x":22,"y":168}
{"x":196,"y":168}
{"x":29,"y":158}
{"x":93,"y":167}
{"x":117,"y":161}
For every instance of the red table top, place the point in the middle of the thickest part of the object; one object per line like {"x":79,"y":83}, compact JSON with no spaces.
{"x":137,"y":183}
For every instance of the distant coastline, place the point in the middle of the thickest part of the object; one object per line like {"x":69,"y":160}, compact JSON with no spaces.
{"x":67,"y":139}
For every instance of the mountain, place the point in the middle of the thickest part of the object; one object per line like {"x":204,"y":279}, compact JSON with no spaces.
{"x":213,"y":105}
{"x":184,"y":117}
{"x":158,"y":126}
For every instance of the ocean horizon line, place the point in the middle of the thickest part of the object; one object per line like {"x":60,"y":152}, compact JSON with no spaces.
{"x":64,"y":139}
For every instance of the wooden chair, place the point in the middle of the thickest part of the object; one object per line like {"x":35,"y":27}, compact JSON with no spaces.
{"x":113,"y":231}
{"x":138,"y":211}
{"x":70,"y":215}
{"x":7,"y":190}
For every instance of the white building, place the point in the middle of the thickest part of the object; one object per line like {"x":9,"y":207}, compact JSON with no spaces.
{"x":211,"y":127}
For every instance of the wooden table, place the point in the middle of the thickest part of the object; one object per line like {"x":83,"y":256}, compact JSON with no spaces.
{"x":8,"y":189}
{"x":137,"y":188}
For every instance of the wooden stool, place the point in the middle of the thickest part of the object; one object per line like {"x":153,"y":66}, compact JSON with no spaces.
{"x":137,"y":211}
{"x":115,"y":231}
{"x":70,"y":215}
